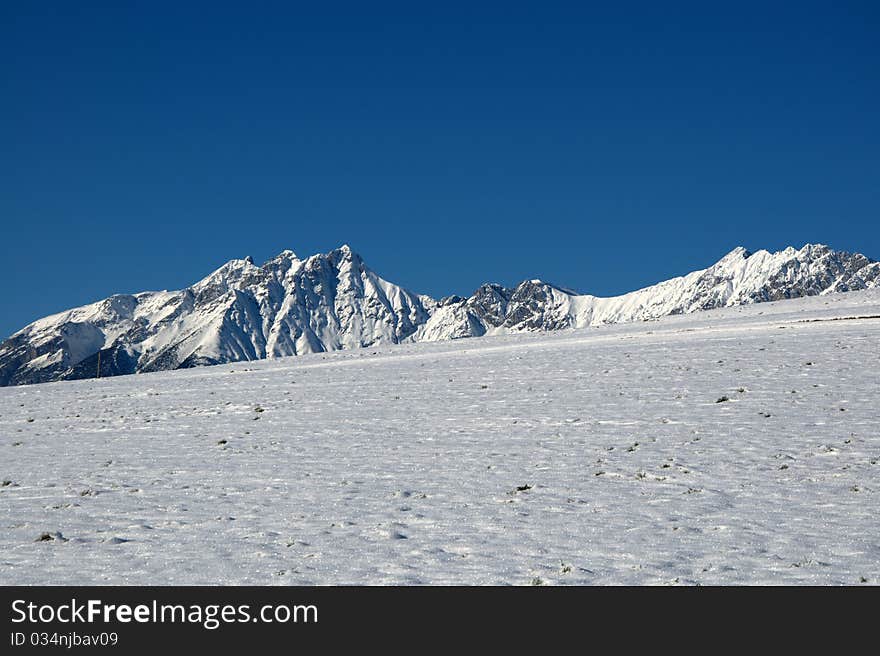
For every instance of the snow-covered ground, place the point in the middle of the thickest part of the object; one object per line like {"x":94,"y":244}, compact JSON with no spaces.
{"x":593,"y":456}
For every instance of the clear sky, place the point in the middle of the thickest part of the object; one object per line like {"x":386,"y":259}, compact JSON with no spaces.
{"x":601,"y":146}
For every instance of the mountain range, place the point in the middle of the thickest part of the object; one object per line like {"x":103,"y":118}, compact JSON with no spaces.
{"x":330,"y":301}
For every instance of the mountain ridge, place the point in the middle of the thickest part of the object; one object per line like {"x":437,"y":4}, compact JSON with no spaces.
{"x":331,"y":301}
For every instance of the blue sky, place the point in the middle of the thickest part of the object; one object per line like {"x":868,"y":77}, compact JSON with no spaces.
{"x":600,"y":147}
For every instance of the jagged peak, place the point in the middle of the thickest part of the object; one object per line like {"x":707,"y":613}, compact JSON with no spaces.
{"x":232,"y":269}
{"x":807,"y":251}
{"x":812,"y":249}
{"x":345,"y":256}
{"x":284,"y":256}
{"x":537,"y":282}
{"x":737,"y":254}
{"x":237,"y":265}
{"x":345,"y":252}
{"x":491,"y":287}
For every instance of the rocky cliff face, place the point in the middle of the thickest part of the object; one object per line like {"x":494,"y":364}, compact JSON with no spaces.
{"x":332,"y":301}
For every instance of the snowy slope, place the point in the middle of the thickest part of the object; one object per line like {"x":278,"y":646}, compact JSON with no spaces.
{"x":572,"y":457}
{"x":333,"y":301}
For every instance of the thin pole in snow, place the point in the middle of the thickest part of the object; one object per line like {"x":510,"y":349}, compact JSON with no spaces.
{"x":99,"y":365}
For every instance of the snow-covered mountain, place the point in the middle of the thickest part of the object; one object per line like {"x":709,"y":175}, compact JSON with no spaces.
{"x":739,"y":277}
{"x":333,"y":301}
